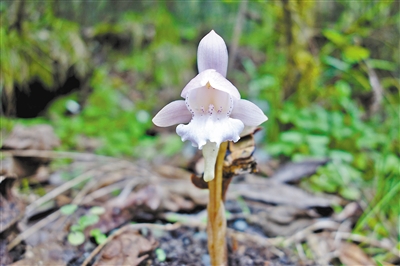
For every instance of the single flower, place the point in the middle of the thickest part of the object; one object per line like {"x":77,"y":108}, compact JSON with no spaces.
{"x":212,"y":111}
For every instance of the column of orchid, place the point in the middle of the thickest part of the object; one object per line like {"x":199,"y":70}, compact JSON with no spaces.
{"x":211,"y":114}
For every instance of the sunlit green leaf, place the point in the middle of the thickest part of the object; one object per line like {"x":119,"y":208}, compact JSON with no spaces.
{"x":88,"y":220}
{"x":336,"y":63}
{"x":335,"y":37}
{"x":98,"y":236}
{"x":75,"y":228}
{"x":76,"y":238}
{"x":97,"y":210}
{"x":292,"y":136}
{"x":68,"y":209}
{"x":161,"y":256}
{"x":340,"y":155}
{"x":354,"y":54}
{"x":382,"y":64}
{"x":350,"y":193}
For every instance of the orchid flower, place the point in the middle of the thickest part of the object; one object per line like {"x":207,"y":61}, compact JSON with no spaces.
{"x":212,"y":111}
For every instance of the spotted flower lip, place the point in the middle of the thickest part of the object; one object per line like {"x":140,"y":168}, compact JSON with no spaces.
{"x":212,"y":111}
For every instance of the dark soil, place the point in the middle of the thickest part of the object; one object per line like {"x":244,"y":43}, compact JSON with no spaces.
{"x":188,"y":246}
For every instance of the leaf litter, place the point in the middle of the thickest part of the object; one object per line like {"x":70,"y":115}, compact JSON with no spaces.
{"x":154,"y":214}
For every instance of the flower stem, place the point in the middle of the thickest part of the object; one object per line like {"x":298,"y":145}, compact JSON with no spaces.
{"x":216,"y":226}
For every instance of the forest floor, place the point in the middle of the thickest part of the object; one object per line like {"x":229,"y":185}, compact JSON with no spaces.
{"x":85,"y":209}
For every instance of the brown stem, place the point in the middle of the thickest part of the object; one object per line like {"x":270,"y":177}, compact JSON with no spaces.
{"x":216,"y":226}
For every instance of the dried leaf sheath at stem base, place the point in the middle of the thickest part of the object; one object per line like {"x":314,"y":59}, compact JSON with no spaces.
{"x":216,"y":226}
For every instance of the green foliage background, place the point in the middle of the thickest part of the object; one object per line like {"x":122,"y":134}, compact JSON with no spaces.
{"x":311,"y":66}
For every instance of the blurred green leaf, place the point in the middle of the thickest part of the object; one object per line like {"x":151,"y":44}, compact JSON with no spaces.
{"x":161,"y":256}
{"x":335,"y":37}
{"x":75,"y":228}
{"x":336,"y":63}
{"x":87,"y":220}
{"x":292,"y":136}
{"x":97,"y":210}
{"x":341,"y":156}
{"x":99,"y":237}
{"x":382,"y":64}
{"x":350,"y":193}
{"x":76,"y":238}
{"x":354,"y":54}
{"x":68,"y":209}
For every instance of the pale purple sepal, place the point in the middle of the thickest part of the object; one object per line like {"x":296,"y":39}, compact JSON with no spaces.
{"x":249,"y":113}
{"x":215,"y":79}
{"x":172,"y":114}
{"x":212,"y":54}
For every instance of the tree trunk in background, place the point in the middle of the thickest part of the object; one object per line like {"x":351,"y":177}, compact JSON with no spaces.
{"x":298,"y":20}
{"x":18,"y":16}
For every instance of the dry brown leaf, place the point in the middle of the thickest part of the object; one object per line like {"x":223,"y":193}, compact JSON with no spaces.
{"x":39,"y":137}
{"x":272,"y":192}
{"x":351,"y":211}
{"x":272,"y":228}
{"x":126,"y":249}
{"x":46,"y":254}
{"x":320,"y":246}
{"x":281,"y":209}
{"x":294,"y":171}
{"x":150,"y":199}
{"x":351,"y":254}
{"x":172,"y":172}
{"x":187,"y":190}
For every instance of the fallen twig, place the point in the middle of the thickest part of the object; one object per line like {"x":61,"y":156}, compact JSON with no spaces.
{"x":37,"y":226}
{"x":377,"y":91}
{"x":54,"y":193}
{"x":262,"y":241}
{"x":104,"y":191}
{"x":319,"y":225}
{"x":61,"y":189}
{"x":58,"y":155}
{"x":367,"y":240}
{"x":73,"y":182}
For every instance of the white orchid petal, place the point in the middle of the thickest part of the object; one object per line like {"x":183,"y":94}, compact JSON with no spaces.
{"x":210,"y":153}
{"x":209,"y":128}
{"x":249,"y":113}
{"x":215,"y":79}
{"x":172,"y":114}
{"x":212,"y":107}
{"x":212,"y":54}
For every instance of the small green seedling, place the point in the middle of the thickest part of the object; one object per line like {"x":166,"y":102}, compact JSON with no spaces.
{"x":68,"y":209}
{"x":161,"y":256}
{"x":99,"y":237}
{"x":76,"y":236}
